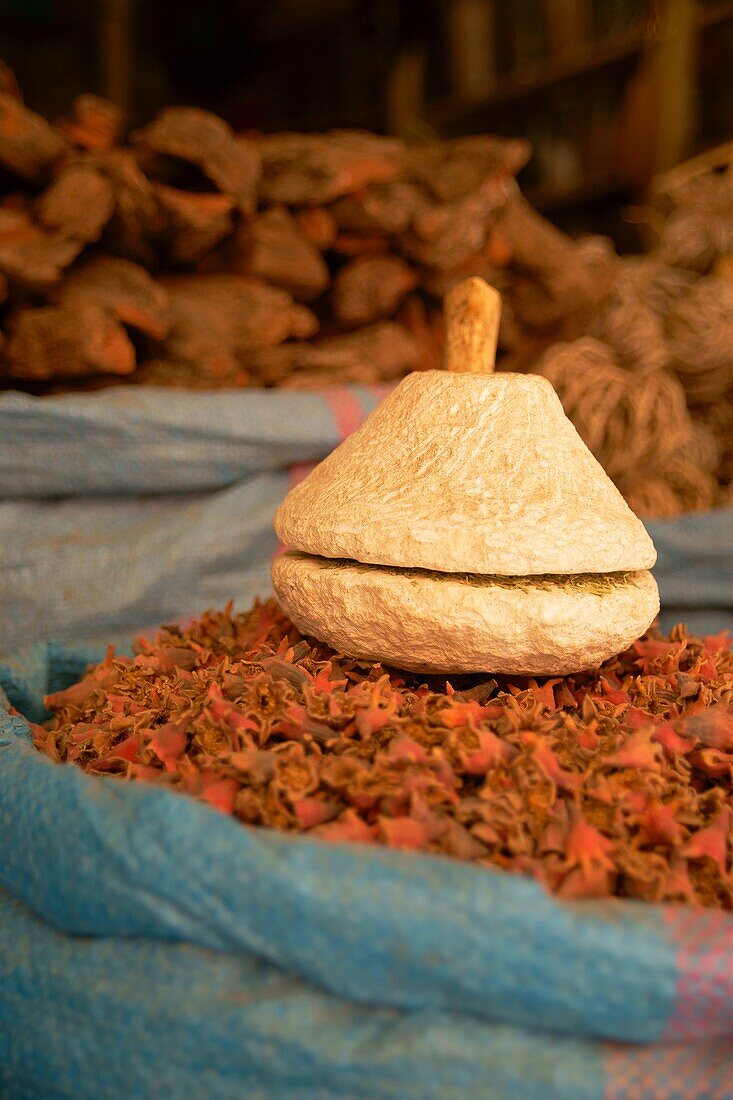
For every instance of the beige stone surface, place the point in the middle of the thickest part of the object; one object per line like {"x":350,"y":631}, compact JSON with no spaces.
{"x":432,"y":622}
{"x":467,"y":473}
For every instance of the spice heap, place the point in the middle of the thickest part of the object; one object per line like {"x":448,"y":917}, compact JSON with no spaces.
{"x":618,"y":782}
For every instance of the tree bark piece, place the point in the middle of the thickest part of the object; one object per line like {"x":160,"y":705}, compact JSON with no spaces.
{"x":376,"y":353}
{"x":78,"y":203}
{"x":196,"y":223}
{"x":218,"y":319}
{"x":124,"y":288}
{"x":558,"y":281}
{"x":381,"y":208}
{"x":30,"y":258}
{"x":455,"y":170}
{"x":307,"y":169}
{"x":370,"y":288}
{"x":447,"y":235}
{"x":427,"y":327}
{"x":281,"y":254}
{"x":94,"y":124}
{"x":354,"y":244}
{"x":138,"y":219}
{"x":273,"y":248}
{"x":317,"y":225}
{"x":29,"y":146}
{"x":203,"y":139}
{"x":71,"y":341}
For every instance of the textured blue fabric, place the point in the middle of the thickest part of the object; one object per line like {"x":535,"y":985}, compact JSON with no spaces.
{"x":144,"y":1021}
{"x":87,"y":550}
{"x":130,"y":439}
{"x":150,"y":946}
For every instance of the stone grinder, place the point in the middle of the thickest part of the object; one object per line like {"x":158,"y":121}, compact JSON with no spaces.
{"x":466,"y":527}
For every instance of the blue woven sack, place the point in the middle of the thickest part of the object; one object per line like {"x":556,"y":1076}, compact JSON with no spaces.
{"x":150,"y":946}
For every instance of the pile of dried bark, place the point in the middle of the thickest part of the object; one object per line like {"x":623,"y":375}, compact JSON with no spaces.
{"x":187,"y":255}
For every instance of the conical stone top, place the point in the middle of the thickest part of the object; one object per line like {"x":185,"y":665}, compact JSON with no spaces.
{"x":467,"y":473}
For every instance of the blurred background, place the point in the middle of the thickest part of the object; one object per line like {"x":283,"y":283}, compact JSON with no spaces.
{"x":610,"y":92}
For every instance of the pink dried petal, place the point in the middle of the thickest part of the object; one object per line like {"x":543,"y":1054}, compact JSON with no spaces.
{"x":322,"y":682}
{"x":635,"y":802}
{"x":221,"y":711}
{"x":403,"y":832}
{"x":485,"y":833}
{"x":314,"y":811}
{"x":371,"y":719}
{"x":718,"y":765}
{"x":612,"y":692}
{"x":555,"y":833}
{"x":708,"y":670}
{"x":635,"y":717}
{"x":712,"y":841}
{"x":172,"y":657}
{"x":45,"y":741}
{"x":458,"y":842}
{"x":467,"y":713}
{"x":78,"y":694}
{"x":586,"y":846}
{"x":677,"y":883}
{"x":221,"y":795}
{"x":662,"y":654}
{"x":479,"y":750}
{"x":658,"y":824}
{"x":129,"y":750}
{"x":716,"y":643}
{"x":405,"y":748}
{"x":143,"y":771}
{"x":591,"y":882}
{"x":638,"y":751}
{"x":713,"y":726}
{"x":550,"y":764}
{"x":544,"y":694}
{"x":189,"y":775}
{"x":672,"y":744}
{"x":491,"y":752}
{"x":348,"y":829}
{"x":588,"y":738}
{"x":168,"y":742}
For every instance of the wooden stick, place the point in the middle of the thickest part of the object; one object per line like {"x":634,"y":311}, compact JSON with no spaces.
{"x":472,"y":312}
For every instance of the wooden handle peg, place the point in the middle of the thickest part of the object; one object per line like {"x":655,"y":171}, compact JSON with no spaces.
{"x":472,"y":313}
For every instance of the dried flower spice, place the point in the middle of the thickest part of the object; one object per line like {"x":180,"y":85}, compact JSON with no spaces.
{"x":617,"y":782}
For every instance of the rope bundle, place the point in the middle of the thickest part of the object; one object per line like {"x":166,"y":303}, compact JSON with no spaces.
{"x":698,"y":227}
{"x":638,"y":426}
{"x":700,"y":332}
